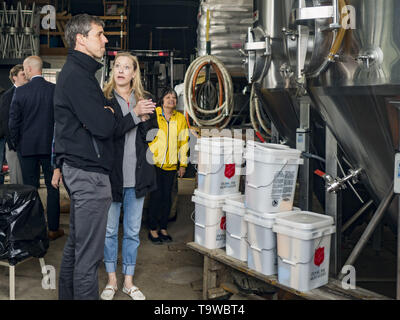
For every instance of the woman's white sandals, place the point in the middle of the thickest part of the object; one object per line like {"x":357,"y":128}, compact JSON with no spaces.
{"x":134,"y":293}
{"x":108,"y":292}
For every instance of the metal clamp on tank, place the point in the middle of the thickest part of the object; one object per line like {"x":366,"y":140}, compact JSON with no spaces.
{"x":303,"y":13}
{"x":258,"y":54}
{"x":334,"y":185}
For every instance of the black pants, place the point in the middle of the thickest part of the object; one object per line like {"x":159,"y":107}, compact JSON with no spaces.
{"x":30,"y":167}
{"x":160,"y":200}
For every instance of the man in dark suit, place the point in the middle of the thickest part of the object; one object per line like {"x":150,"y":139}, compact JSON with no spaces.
{"x":17,"y":77}
{"x":31,"y":127}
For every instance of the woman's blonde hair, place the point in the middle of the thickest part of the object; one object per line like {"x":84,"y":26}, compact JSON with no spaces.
{"x":136,"y":82}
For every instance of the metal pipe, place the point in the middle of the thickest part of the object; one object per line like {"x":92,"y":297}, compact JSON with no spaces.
{"x":335,"y":5}
{"x":172,"y":68}
{"x":357,"y":215}
{"x":376,"y":219}
{"x":398,"y":255}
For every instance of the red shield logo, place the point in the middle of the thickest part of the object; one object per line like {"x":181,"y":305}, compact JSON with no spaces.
{"x":223,"y":223}
{"x":319,"y":256}
{"x":229,"y":170}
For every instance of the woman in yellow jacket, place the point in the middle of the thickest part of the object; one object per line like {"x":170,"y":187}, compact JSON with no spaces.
{"x":170,"y":154}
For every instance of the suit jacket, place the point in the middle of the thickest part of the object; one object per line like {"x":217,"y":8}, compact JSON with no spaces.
{"x":4,"y":115}
{"x":31,"y":120}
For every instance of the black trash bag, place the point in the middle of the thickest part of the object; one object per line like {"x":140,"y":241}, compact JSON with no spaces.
{"x":23,"y":229}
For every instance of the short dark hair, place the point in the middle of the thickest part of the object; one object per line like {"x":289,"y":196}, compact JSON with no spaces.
{"x":15,"y":70}
{"x":80,"y":24}
{"x":167,"y":91}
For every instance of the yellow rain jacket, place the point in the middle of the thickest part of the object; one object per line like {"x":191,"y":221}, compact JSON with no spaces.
{"x":167,"y":155}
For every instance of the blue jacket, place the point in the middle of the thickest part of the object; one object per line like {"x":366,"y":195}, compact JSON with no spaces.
{"x":31,"y":119}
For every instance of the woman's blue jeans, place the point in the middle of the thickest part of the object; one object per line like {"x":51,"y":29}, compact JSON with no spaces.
{"x":133,"y":208}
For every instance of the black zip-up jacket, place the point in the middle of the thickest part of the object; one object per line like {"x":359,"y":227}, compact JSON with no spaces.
{"x":145,"y":172}
{"x":84,"y":129}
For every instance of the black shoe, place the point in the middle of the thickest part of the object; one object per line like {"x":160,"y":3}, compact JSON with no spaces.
{"x":164,"y":238}
{"x":155,"y":240}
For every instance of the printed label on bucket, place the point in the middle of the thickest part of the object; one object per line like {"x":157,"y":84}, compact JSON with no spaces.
{"x":318,"y":274}
{"x":221,"y":236}
{"x":318,"y":271}
{"x":227,"y":185}
{"x":222,"y":224}
{"x":282,"y":186}
{"x":229,"y":170}
{"x":319,"y":256}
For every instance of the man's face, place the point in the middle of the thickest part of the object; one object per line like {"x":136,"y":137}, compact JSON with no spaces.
{"x":95,"y":41}
{"x":27,"y":70}
{"x":20,"y":79}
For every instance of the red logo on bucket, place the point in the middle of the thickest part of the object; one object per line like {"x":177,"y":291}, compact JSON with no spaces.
{"x":319,"y":256}
{"x":229,"y":170}
{"x":223,"y":223}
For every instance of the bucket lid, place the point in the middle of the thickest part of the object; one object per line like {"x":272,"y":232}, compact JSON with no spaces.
{"x":219,"y":145}
{"x":273,"y":155}
{"x":266,"y":222}
{"x":235,"y":206}
{"x":253,"y":143}
{"x":305,"y":220}
{"x":303,"y":234}
{"x":236,"y":202}
{"x":222,"y":197}
{"x":212,"y":201}
{"x":267,"y":216}
{"x":273,"y":151}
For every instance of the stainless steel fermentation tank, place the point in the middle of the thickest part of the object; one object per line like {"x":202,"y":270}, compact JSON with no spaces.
{"x":346,"y":56}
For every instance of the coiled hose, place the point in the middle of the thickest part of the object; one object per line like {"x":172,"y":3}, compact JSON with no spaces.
{"x":224,"y":106}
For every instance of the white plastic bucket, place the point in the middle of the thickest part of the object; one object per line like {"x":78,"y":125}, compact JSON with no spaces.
{"x":271,"y":174}
{"x":219,"y":165}
{"x":303,"y":241}
{"x":209,"y":219}
{"x":261,"y":255}
{"x":236,"y":228}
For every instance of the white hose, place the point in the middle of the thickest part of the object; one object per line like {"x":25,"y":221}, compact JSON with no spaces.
{"x":191,"y":106}
{"x":255,"y":110}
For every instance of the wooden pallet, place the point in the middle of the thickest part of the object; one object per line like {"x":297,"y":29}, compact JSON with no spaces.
{"x":214,"y":259}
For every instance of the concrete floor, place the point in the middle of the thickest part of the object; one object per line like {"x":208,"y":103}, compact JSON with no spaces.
{"x":163,"y":272}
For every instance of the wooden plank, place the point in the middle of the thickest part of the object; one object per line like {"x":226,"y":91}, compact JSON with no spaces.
{"x":332,"y":291}
{"x":216,"y":293}
{"x":115,"y":33}
{"x":61,"y":29}
{"x":205,"y":277}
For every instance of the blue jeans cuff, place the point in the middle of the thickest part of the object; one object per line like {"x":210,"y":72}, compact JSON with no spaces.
{"x":128,"y":270}
{"x":110,"y":266}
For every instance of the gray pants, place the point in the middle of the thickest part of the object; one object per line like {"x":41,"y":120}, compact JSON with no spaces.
{"x":14,"y":166}
{"x":90,"y":195}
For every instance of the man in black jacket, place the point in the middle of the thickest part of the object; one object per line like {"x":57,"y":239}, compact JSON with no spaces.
{"x":84,"y":130}
{"x":31,"y":126}
{"x":17,"y":77}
